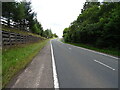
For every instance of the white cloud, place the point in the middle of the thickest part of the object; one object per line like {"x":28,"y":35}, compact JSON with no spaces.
{"x":57,"y":14}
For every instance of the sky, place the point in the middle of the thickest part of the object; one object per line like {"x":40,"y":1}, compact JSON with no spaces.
{"x":57,"y":14}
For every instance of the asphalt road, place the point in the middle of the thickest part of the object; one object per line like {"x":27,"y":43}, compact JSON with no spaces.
{"x":80,"y":68}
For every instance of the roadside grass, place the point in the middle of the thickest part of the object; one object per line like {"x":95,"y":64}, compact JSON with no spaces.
{"x":109,"y":51}
{"x":15,"y":59}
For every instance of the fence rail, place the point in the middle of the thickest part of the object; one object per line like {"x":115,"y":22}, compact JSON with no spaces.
{"x":13,"y":24}
{"x":11,"y":38}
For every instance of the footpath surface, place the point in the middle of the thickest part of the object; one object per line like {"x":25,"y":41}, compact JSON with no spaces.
{"x":38,"y":74}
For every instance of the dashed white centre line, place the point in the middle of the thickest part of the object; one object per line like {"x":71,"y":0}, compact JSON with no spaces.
{"x":93,"y":51}
{"x":104,"y":64}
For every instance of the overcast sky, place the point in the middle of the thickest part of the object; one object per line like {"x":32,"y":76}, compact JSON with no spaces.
{"x":57,"y":14}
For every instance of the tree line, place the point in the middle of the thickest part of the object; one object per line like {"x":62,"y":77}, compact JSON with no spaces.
{"x":97,"y":25}
{"x":21,"y":16}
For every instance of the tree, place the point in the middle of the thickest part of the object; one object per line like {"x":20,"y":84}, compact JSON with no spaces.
{"x":55,"y":35}
{"x":98,"y":25}
{"x":8,"y":9}
{"x":48,"y":33}
{"x":21,"y":14}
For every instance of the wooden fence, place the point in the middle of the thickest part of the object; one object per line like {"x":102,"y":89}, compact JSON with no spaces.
{"x":11,"y":38}
{"x":13,"y":24}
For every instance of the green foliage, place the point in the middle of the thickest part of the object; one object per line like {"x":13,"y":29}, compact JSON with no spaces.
{"x":55,"y":35}
{"x":98,"y":25}
{"x":23,"y":17}
{"x":48,"y":33}
{"x":8,"y":11}
{"x":35,"y":29}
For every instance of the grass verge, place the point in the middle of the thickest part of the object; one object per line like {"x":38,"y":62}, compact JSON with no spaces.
{"x":106,"y":51}
{"x":15,"y":59}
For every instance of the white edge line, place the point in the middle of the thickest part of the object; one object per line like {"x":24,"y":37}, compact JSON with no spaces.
{"x":56,"y":84}
{"x":104,"y":64}
{"x":94,"y":51}
{"x":98,"y":52}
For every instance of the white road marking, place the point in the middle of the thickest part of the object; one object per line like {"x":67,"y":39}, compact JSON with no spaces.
{"x":39,"y":76}
{"x":16,"y":83}
{"x":32,"y":62}
{"x":104,"y":64}
{"x":99,"y":53}
{"x":26,"y":69}
{"x":56,"y":84}
{"x":70,"y":48}
{"x":94,"y":51}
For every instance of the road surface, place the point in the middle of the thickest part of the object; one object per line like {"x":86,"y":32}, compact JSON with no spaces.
{"x":66,"y":66}
{"x":80,"y":68}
